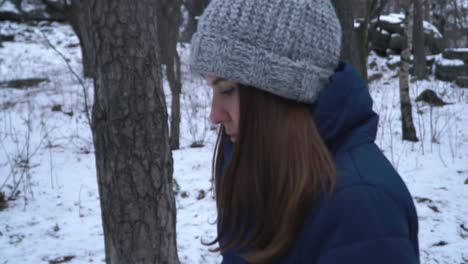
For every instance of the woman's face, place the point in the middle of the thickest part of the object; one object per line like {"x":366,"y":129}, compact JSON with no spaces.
{"x":225,"y":105}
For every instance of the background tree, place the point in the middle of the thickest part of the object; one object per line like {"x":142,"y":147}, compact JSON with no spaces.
{"x":363,"y":11}
{"x":397,"y":5}
{"x":408,"y":130}
{"x":77,"y":14}
{"x":427,"y":11}
{"x":349,"y":45}
{"x":419,"y":63}
{"x":170,"y":18}
{"x":194,"y":9}
{"x":130,"y":133}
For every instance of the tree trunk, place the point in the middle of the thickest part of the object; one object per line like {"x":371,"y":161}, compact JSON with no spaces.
{"x":78,"y":15}
{"x":189,"y":29}
{"x":349,"y":43}
{"x":427,"y":11}
{"x":398,"y":5}
{"x":194,"y":9}
{"x":362,"y":41}
{"x":373,"y":9}
{"x":362,"y":38}
{"x":130,"y":133}
{"x":170,"y":18}
{"x":420,"y":67}
{"x":174,"y":79}
{"x":408,"y":130}
{"x":77,"y":12}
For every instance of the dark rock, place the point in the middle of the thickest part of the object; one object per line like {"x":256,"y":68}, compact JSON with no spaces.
{"x":430,"y":97}
{"x":201,"y":195}
{"x":23,"y":83}
{"x":396,"y":63}
{"x":31,"y":10}
{"x":396,"y":43}
{"x":73,"y":45}
{"x":422,"y":199}
{"x":7,"y":105}
{"x":440,"y":244}
{"x":390,"y":26}
{"x":433,"y":208}
{"x":380,"y":41}
{"x":374,"y":77}
{"x":462,"y":81}
{"x":197,"y":144}
{"x":449,"y":72}
{"x":433,"y":42}
{"x":463,"y":227}
{"x":394,"y":26}
{"x":5,"y":38}
{"x":430,"y":60}
{"x":62,"y":259}
{"x":8,"y":10}
{"x":3,"y":201}
{"x":57,"y":108}
{"x":456,"y":54}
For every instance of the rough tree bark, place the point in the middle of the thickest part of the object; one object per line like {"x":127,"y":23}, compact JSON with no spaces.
{"x":170,"y":18}
{"x":408,"y":129}
{"x":420,"y":67}
{"x":130,"y":133}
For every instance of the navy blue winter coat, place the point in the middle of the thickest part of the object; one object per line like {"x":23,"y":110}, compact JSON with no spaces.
{"x":371,"y":218}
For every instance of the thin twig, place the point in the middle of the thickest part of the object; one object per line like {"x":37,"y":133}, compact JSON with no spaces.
{"x":85,"y":88}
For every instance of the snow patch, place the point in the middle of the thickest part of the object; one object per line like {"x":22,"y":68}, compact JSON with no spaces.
{"x":356,"y":24}
{"x":392,"y":18}
{"x":461,"y":50}
{"x":431,"y":29}
{"x":7,"y":6}
{"x":31,"y":5}
{"x":446,"y":62}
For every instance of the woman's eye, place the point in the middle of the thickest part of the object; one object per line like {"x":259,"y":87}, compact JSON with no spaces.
{"x":227,"y":91}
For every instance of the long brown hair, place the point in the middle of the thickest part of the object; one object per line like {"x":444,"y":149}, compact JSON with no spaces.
{"x":279,"y":167}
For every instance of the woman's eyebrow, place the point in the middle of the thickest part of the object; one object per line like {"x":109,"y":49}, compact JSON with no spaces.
{"x":217,"y":81}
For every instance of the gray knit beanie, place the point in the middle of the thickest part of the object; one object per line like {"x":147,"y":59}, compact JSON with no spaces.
{"x":285,"y":47}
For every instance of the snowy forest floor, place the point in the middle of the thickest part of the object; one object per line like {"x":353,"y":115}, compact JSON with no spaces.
{"x":46,"y":148}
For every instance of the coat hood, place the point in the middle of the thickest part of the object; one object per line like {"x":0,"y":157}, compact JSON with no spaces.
{"x":343,"y":111}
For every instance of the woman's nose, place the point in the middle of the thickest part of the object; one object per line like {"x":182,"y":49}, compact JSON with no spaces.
{"x":217,"y":114}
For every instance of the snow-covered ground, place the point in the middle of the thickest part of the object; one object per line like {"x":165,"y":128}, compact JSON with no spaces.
{"x":56,"y":212}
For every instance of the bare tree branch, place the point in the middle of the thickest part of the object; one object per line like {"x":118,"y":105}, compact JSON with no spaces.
{"x":78,"y":78}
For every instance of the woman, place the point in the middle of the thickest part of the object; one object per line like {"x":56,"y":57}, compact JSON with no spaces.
{"x":298,"y":178}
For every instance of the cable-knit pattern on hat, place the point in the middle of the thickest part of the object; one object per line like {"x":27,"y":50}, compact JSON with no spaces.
{"x":286,"y":47}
